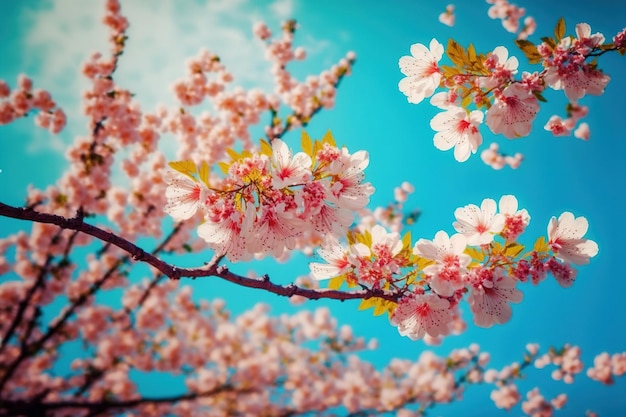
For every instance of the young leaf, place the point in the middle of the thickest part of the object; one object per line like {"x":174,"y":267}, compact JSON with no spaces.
{"x":187,"y":168}
{"x":307,"y":144}
{"x":541,"y":245}
{"x":266,"y":148}
{"x":335,"y":283}
{"x":328,"y":138}
{"x":513,"y":249}
{"x":530,"y":50}
{"x":203,"y":173}
{"x":559,"y":30}
{"x":456,"y":53}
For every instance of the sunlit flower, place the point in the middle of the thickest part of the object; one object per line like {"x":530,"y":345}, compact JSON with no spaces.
{"x":421,"y":314}
{"x":422,"y":71}
{"x":456,"y":128}
{"x":565,"y":237}
{"x":478,"y":225}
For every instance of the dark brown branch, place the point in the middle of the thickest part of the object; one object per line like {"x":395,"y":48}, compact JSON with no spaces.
{"x":210,"y":270}
{"x":25,"y":407}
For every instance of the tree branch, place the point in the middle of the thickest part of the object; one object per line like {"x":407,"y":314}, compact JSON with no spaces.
{"x":209,"y":270}
{"x":25,"y":407}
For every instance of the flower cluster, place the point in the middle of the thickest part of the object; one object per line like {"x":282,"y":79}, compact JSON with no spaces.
{"x":19,"y":102}
{"x":431,"y":277}
{"x":510,"y":15}
{"x":478,"y":83}
{"x":270,"y":199}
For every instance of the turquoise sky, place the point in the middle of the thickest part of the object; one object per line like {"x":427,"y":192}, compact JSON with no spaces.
{"x":48,"y":40}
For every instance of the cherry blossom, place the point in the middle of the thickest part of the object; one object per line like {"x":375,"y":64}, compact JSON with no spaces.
{"x":421,"y":314}
{"x":490,"y":296}
{"x":447,"y":17}
{"x":289,"y":170}
{"x":184,"y":195}
{"x":566,"y":239}
{"x":515,"y":221}
{"x":337,"y":263}
{"x":456,"y":128}
{"x":421,"y":70}
{"x":479,"y":225}
{"x":513,"y":112}
{"x":450,"y":261}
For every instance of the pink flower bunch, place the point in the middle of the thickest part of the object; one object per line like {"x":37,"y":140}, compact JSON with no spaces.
{"x":19,"y":102}
{"x":566,"y":65}
{"x":567,"y":360}
{"x":486,"y":83}
{"x":510,"y":15}
{"x":560,"y":127}
{"x":432,"y":277}
{"x":537,"y":406}
{"x":303,"y":98}
{"x":496,"y":160}
{"x":271,"y":198}
{"x":606,"y":366}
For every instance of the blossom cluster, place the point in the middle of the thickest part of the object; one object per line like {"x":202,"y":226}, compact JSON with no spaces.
{"x":19,"y":102}
{"x":486,"y":83}
{"x":511,"y":15}
{"x":431,"y":277}
{"x":271,"y":199}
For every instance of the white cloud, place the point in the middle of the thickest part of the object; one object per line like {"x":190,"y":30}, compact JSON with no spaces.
{"x":57,"y":38}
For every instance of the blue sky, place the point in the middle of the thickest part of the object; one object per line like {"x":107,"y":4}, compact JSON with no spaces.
{"x":48,"y":40}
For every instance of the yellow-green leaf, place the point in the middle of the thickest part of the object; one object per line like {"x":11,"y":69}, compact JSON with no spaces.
{"x":266,"y":148}
{"x":513,"y":249}
{"x":541,"y":245}
{"x":203,"y":173}
{"x":187,"y":168}
{"x":328,"y":138}
{"x":476,"y":254}
{"x":559,"y":30}
{"x":233,"y":154}
{"x":224,"y":166}
{"x":335,"y":283}
{"x":307,"y":144}
{"x":367,"y":303}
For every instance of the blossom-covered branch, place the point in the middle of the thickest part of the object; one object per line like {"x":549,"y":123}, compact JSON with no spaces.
{"x":210,"y":270}
{"x":478,"y":83}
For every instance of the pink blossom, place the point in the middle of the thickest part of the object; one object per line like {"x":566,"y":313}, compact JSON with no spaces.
{"x":479,"y":225}
{"x":515,"y":221}
{"x":506,"y":396}
{"x":447,"y":17}
{"x":422,"y":71}
{"x":288,"y":170}
{"x":456,"y":128}
{"x":557,"y":126}
{"x":490,"y":297}
{"x":337,"y":264}
{"x":446,"y":275}
{"x":582,"y":132}
{"x":565,"y":237}
{"x":419,"y":314}
{"x":184,"y":196}
{"x":513,"y":112}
